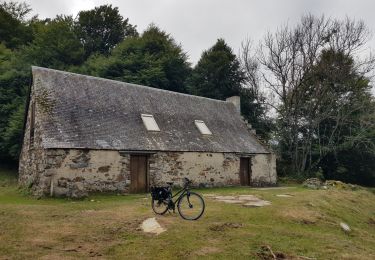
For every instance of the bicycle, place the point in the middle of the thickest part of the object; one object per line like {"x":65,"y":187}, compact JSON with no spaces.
{"x":190,"y":205}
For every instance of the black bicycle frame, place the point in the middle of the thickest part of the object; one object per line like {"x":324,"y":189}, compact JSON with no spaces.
{"x":183,"y":191}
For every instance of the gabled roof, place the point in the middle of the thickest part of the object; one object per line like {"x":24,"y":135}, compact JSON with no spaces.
{"x":81,"y":111}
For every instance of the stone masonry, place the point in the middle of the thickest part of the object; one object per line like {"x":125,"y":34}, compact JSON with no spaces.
{"x":109,"y":171}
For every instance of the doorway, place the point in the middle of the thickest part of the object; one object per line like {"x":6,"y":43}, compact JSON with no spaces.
{"x":245,"y":171}
{"x":138,"y":174}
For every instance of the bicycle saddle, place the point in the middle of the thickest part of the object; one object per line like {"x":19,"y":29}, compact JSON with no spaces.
{"x":169,"y":183}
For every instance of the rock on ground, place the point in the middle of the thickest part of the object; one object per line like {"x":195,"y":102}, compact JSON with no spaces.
{"x":345,"y":227}
{"x":150,"y":225}
{"x":284,"y":195}
{"x":313,"y":183}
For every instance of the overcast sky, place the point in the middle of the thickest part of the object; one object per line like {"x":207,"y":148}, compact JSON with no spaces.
{"x":196,"y":24}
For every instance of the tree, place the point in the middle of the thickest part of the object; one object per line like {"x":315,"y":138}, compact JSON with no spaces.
{"x":356,"y":163}
{"x":315,"y":86}
{"x":153,"y":59}
{"x":18,"y":11}
{"x":218,"y":74}
{"x":12,"y":134}
{"x":14,"y":30}
{"x":339,"y":120}
{"x":102,"y":28}
{"x":254,"y":110}
{"x":56,"y":45}
{"x":254,"y":100}
{"x":14,"y":81}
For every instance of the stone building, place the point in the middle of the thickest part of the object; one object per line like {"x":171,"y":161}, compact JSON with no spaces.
{"x":105,"y":135}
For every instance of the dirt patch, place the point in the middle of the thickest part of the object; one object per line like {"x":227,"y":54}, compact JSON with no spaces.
{"x":302,"y":215}
{"x":117,"y":230}
{"x":81,"y":233}
{"x":259,"y":203}
{"x":266,"y":253}
{"x":207,"y":250}
{"x":224,"y":226}
{"x":371,"y":221}
{"x":55,"y":256}
{"x":273,"y":188}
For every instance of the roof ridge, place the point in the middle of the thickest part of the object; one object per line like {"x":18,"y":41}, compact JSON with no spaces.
{"x":125,"y":83}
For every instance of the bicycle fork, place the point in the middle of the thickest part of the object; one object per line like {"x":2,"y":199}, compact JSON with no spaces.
{"x":188,"y":199}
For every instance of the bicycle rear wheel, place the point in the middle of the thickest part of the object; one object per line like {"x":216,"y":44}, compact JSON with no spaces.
{"x":159,"y":206}
{"x":191,"y":206}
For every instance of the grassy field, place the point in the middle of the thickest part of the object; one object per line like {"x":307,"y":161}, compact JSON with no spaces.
{"x":305,"y":226}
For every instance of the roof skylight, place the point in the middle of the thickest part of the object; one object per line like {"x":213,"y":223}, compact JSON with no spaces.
{"x":202,"y":127}
{"x":150,"y":123}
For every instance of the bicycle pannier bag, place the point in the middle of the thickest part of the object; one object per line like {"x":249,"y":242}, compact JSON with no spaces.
{"x":159,"y":193}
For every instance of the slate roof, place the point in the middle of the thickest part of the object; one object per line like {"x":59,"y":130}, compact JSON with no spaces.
{"x":87,"y":112}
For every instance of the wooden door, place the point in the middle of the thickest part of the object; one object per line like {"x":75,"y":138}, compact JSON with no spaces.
{"x":245,"y":171}
{"x":138,"y":174}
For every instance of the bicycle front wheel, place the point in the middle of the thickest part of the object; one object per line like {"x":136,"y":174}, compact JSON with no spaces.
{"x":191,"y":206}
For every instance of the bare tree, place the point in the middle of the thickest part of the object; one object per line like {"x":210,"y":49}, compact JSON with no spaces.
{"x":285,"y":63}
{"x":250,"y":66}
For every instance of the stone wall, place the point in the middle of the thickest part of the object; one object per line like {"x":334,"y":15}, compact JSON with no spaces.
{"x":263,"y":170}
{"x":210,"y":169}
{"x":204,"y":169}
{"x":32,"y":158}
{"x":106,"y":170}
{"x":94,"y":170}
{"x":101,"y":170}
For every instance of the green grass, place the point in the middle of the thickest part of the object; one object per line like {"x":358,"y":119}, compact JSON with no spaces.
{"x":305,"y":225}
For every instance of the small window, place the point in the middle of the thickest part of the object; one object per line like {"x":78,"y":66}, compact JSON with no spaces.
{"x":202,"y":127}
{"x":150,"y":123}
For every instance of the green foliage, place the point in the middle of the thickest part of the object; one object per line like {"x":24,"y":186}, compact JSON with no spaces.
{"x":218,"y":74}
{"x":335,"y":119}
{"x":153,"y":59}
{"x":254,"y":110}
{"x":102,"y":28}
{"x":355,"y":161}
{"x":56,"y":45}
{"x":13,"y":131}
{"x":354,"y":165}
{"x":18,"y":11}
{"x":350,"y":154}
{"x":14,"y":80}
{"x":14,"y":32}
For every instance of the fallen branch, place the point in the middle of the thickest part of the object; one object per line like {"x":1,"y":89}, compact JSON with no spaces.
{"x":271,"y":252}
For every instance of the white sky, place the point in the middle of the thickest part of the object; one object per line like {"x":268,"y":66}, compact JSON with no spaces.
{"x":196,"y":24}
